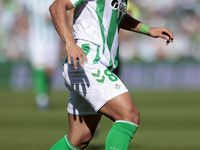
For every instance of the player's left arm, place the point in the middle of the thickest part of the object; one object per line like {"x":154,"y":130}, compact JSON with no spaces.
{"x":131,"y":24}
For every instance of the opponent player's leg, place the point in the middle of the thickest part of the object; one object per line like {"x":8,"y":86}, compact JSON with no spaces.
{"x":122,"y":110}
{"x":81,"y":131}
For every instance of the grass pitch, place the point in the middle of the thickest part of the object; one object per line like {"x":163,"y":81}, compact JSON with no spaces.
{"x":169,"y":121}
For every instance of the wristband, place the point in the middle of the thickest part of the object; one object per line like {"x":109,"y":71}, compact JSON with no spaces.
{"x":144,"y":29}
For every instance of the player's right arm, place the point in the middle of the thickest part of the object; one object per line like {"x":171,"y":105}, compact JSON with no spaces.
{"x":58,"y":12}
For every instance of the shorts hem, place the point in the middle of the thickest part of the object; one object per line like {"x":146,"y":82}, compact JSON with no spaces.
{"x":111,"y":97}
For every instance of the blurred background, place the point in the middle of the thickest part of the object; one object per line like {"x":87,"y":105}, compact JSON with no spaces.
{"x":151,"y":63}
{"x":163,"y":80}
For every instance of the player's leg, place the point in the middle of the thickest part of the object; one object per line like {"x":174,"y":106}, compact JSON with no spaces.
{"x":82,"y":128}
{"x":122,"y":110}
{"x":40,"y":80}
{"x":43,"y":69}
{"x":41,"y":85}
{"x":81,"y":131}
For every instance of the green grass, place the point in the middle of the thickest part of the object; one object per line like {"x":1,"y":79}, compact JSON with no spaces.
{"x":169,"y":121}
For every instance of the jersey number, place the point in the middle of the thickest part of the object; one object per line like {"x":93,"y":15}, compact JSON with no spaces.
{"x":108,"y":73}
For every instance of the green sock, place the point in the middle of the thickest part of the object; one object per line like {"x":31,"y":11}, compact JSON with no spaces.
{"x":40,"y":81}
{"x":64,"y":144}
{"x":120,"y":135}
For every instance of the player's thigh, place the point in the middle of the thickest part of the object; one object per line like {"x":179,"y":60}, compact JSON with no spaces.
{"x":121,"y":107}
{"x":82,"y":128}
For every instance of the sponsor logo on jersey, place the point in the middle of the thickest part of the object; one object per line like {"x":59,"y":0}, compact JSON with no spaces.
{"x":115,"y":4}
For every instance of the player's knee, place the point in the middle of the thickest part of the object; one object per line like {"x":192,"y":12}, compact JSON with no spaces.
{"x":133,"y":116}
{"x":85,"y":142}
{"x":136,"y":117}
{"x":81,"y":142}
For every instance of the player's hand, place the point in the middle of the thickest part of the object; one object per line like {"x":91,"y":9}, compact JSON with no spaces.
{"x":161,"y":32}
{"x":76,"y":53}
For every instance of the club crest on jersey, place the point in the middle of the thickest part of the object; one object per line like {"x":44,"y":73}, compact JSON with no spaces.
{"x":117,"y":86}
{"x":116,"y":5}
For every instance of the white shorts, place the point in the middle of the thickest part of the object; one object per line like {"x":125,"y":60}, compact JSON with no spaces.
{"x":90,"y":87}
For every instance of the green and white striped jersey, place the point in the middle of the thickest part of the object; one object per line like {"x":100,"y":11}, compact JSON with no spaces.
{"x":98,"y":22}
